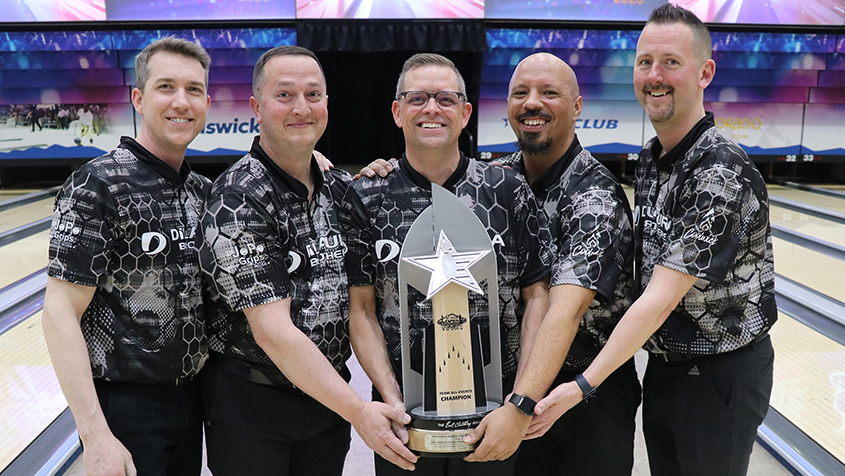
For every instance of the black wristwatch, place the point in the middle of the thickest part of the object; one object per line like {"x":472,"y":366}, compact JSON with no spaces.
{"x":524,"y":404}
{"x":587,"y":389}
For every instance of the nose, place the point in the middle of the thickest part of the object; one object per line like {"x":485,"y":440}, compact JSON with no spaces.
{"x":180,"y":100}
{"x":301,"y":105}
{"x":532,"y":101}
{"x":655,"y":74}
{"x":431,"y":106}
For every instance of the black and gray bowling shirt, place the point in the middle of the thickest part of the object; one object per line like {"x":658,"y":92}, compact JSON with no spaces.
{"x":508,"y":211}
{"x":590,"y":220}
{"x":703,"y":209}
{"x":263,"y":241}
{"x":125,"y":223}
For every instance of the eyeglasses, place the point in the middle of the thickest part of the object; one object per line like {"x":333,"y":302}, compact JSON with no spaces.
{"x":444,"y":99}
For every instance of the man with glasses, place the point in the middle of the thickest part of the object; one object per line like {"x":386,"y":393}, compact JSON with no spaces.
{"x":275,"y":392}
{"x":432,"y":109}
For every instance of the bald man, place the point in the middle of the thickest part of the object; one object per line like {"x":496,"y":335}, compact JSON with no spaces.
{"x":592,"y":286}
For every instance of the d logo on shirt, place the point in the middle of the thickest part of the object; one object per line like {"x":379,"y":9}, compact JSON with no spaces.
{"x":153,"y":237}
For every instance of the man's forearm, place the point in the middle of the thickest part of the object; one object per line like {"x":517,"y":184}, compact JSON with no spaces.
{"x":369,"y":345}
{"x":557,"y":331}
{"x":64,"y":304}
{"x":302,"y":362}
{"x":662,"y":295}
{"x":536,"y":306}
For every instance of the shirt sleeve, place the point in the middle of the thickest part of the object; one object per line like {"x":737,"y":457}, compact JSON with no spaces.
{"x":709,"y":223}
{"x":245,"y":251}
{"x":595,"y":237}
{"x":81,"y":234}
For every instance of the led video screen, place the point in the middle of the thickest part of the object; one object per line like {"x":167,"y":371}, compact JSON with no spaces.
{"x":406,"y":9}
{"x":100,"y":10}
{"x":626,"y":10}
{"x":52,"y":10}
{"x":771,"y":12}
{"x":199,"y":9}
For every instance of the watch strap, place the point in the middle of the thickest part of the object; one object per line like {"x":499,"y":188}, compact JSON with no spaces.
{"x":524,"y":404}
{"x":587,"y":389}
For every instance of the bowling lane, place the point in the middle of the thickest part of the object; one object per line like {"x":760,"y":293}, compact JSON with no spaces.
{"x":826,"y":230}
{"x":23,"y":257}
{"x":812,"y":269}
{"x":8,"y":194}
{"x":26,"y":214}
{"x":810,"y":198}
{"x":30,"y":396}
{"x":809,"y":383}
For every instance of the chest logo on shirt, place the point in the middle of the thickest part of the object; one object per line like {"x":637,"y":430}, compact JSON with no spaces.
{"x":391,"y":251}
{"x":293,"y":262}
{"x":326,"y":249}
{"x":153,"y":242}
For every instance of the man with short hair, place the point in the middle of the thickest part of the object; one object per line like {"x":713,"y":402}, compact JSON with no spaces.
{"x":124,"y":296}
{"x":275,"y":392}
{"x":705,"y":262}
{"x":432,"y":109}
{"x":591,"y":286}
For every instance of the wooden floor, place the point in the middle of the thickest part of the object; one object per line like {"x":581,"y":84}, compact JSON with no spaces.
{"x":809,"y":368}
{"x":26,"y":214}
{"x":29,"y":391}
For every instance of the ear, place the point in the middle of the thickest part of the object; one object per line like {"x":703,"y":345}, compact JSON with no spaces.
{"x":708,"y":70}
{"x":579,"y":106}
{"x":138,"y":101}
{"x":253,"y":103}
{"x":396,"y":114}
{"x":467,"y":110}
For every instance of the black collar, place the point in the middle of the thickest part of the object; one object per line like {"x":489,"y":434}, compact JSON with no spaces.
{"x":679,"y":151}
{"x":157,"y":165}
{"x":283,"y":177}
{"x":552,"y":175}
{"x":421,"y":180}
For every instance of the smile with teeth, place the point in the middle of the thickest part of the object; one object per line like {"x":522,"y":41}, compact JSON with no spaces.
{"x":534,"y":122}
{"x":431,"y":125}
{"x":658,"y":94}
{"x":179,"y":120}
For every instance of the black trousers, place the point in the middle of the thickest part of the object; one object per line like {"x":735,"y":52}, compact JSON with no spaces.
{"x":254,"y":429}
{"x":594,"y":438}
{"x":700,"y":417}
{"x":159,"y":424}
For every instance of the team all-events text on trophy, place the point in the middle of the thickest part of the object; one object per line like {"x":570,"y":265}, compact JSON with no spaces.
{"x":446,"y":254}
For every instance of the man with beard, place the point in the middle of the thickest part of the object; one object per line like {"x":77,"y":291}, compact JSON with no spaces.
{"x":591,"y":287}
{"x":705,"y":264}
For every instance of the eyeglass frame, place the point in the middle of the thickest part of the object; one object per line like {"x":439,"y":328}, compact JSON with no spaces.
{"x":430,"y":96}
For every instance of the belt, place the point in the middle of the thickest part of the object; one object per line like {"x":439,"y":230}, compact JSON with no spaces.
{"x":248,"y":373}
{"x":166,"y":383}
{"x":676,"y":357}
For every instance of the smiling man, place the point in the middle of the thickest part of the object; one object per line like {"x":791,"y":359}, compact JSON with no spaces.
{"x":591,"y":286}
{"x":275,"y":392}
{"x":705,"y":264}
{"x":124,"y":296}
{"x":431,"y":108}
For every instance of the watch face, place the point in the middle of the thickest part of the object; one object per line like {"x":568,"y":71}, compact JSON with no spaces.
{"x":524,"y":404}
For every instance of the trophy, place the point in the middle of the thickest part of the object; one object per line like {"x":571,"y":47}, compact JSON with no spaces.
{"x":446,"y":253}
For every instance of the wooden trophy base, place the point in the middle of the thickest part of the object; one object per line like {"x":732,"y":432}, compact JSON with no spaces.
{"x":442,"y":436}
